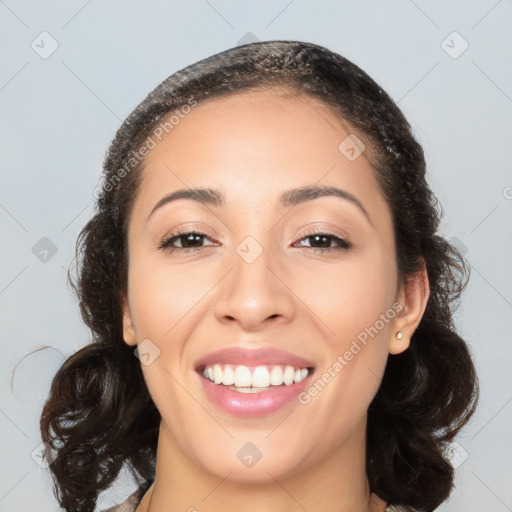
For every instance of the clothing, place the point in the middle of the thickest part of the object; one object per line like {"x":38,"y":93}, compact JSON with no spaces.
{"x":131,"y":503}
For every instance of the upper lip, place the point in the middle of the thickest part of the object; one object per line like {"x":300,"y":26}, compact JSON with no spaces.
{"x":253,"y":357}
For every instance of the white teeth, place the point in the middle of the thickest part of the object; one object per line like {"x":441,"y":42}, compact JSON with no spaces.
{"x":248,"y":390}
{"x":260,"y":377}
{"x":217,"y":374}
{"x":276,"y":376}
{"x":288,"y":375}
{"x":242,"y":379}
{"x":229,"y":376}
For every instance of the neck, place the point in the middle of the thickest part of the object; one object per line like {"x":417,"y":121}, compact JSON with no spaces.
{"x":336,"y":483}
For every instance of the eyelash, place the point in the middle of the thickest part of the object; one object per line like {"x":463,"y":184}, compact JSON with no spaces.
{"x":166,"y":244}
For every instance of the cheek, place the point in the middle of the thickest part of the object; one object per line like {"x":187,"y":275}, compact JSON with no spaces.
{"x":167,"y":303}
{"x":355,"y":306}
{"x":350,"y":295}
{"x":163,"y":298}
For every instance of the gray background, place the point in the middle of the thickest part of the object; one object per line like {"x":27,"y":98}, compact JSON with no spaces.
{"x":60,"y":111}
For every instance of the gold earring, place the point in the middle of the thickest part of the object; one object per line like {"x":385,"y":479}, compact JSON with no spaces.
{"x":399,"y":335}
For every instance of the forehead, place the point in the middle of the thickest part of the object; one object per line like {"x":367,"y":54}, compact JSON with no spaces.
{"x":243,"y":122}
{"x":253,"y":145}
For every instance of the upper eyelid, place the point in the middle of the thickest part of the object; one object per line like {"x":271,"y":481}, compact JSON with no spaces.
{"x":303,"y":233}
{"x":322,"y":231}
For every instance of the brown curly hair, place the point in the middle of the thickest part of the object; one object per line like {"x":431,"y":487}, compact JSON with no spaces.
{"x":96,"y":420}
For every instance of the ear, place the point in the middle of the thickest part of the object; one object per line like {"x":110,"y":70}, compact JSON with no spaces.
{"x":413,"y":297}
{"x":128,"y":327}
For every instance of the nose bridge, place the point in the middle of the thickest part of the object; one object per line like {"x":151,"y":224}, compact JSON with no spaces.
{"x":251,"y":293}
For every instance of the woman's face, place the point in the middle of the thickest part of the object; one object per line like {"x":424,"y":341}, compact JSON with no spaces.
{"x":306,"y":281}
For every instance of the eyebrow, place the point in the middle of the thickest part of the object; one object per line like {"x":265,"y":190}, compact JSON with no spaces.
{"x":288,"y":198}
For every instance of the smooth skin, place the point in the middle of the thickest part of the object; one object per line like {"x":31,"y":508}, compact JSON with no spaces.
{"x":251,"y":147}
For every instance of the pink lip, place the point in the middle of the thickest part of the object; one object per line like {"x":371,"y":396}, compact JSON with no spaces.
{"x":252,"y":404}
{"x":253,"y":357}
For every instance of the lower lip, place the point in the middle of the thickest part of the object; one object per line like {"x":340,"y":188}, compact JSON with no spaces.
{"x":253,"y":404}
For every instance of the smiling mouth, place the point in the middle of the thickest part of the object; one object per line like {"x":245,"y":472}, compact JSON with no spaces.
{"x":253,"y":379}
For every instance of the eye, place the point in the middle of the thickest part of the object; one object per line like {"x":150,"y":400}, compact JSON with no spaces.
{"x":190,"y":241}
{"x":324,"y":240}
{"x":187,"y":241}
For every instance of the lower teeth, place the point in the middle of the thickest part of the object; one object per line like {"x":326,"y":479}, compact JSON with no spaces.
{"x":249,"y":390}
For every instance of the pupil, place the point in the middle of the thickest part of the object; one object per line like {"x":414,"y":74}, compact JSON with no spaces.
{"x":325,"y":239}
{"x":190,"y":238}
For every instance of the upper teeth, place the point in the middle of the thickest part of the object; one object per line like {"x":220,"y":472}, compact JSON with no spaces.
{"x":256,"y":377}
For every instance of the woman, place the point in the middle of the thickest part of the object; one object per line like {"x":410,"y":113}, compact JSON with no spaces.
{"x":269,"y":299}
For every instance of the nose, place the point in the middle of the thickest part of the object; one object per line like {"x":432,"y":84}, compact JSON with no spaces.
{"x":253,"y":294}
